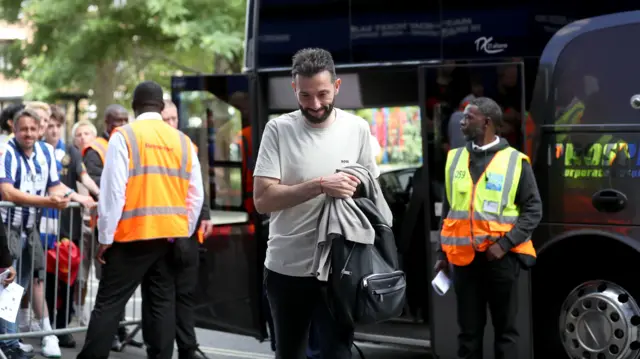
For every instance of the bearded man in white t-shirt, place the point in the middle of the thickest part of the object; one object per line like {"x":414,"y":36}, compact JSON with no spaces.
{"x":295,"y":169}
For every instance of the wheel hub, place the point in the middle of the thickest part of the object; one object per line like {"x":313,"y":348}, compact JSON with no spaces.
{"x":594,"y":330}
{"x":599,"y":320}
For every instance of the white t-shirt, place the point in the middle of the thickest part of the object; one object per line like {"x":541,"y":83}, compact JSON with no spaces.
{"x":294,"y":152}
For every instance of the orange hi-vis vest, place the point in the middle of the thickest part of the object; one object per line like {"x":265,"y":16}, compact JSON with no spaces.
{"x":199,"y":232}
{"x":100,"y":145}
{"x":156,"y":193}
{"x":481,"y":214}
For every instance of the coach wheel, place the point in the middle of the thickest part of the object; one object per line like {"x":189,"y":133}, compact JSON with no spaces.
{"x":599,"y":320}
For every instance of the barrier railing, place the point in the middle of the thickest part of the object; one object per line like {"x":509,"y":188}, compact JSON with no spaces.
{"x":53,"y":255}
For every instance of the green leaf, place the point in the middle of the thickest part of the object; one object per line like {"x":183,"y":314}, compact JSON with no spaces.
{"x":145,"y":39}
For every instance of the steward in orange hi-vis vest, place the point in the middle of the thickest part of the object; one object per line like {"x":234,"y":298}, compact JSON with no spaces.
{"x":156,"y":192}
{"x":100,"y":145}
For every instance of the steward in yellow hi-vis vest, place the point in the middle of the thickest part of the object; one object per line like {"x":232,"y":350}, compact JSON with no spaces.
{"x":491,"y":208}
{"x":482,"y":213}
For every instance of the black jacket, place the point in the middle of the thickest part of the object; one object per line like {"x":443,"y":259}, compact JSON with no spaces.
{"x":93,"y":162}
{"x":527,"y":197}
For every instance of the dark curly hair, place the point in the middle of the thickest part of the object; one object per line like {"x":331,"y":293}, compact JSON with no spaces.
{"x":8,"y":113}
{"x":312,"y":61}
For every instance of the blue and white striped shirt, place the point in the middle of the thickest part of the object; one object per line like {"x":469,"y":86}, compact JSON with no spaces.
{"x":49,"y":219}
{"x":33,"y":175}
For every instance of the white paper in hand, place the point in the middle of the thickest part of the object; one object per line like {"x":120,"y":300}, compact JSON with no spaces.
{"x":10,"y":299}
{"x":441,"y":283}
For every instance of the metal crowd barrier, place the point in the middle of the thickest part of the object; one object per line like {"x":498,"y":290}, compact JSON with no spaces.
{"x":50,"y":287}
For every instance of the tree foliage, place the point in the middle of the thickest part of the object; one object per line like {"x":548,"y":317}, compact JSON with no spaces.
{"x":102,"y":48}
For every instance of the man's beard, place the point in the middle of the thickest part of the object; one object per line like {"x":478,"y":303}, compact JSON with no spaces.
{"x":22,"y":143}
{"x":472,"y":134}
{"x":328,"y":109}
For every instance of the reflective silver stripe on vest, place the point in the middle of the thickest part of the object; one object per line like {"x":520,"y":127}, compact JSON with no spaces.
{"x":183,"y":172}
{"x":508,"y":183}
{"x":479,"y":240}
{"x":452,"y":170}
{"x":477,"y":216}
{"x":455,"y":241}
{"x":465,"y":241}
{"x":150,"y":211}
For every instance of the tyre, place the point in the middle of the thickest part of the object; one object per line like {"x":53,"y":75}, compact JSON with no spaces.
{"x":585,"y":305}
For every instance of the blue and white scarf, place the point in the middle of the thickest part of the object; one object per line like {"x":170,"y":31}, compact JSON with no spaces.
{"x":49,"y":222}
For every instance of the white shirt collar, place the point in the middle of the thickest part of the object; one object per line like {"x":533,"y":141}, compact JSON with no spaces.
{"x":487,"y":146}
{"x":149,"y":116}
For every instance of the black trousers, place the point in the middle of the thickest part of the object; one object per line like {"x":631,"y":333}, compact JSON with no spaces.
{"x":186,"y":283}
{"x":294,"y":302}
{"x":128,"y":265}
{"x":482,"y":283}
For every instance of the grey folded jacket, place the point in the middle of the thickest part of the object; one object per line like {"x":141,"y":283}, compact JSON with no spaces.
{"x":343,"y":217}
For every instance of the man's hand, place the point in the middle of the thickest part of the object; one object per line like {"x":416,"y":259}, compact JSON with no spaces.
{"x":57,"y":201}
{"x":86,"y":201}
{"x":101,"y":250}
{"x":10,"y":277}
{"x":442,"y":265}
{"x":207,"y":227}
{"x":340,"y":185}
{"x":495,"y":252}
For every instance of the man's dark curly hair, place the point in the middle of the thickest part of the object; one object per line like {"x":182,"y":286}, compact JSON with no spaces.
{"x":8,"y":113}
{"x":312,"y":61}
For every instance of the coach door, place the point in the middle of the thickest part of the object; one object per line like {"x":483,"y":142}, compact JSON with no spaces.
{"x":213,"y":110}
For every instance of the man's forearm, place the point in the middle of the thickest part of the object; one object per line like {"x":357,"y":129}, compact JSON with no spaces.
{"x":90,"y":184}
{"x":23,"y":199}
{"x":60,"y":189}
{"x":526,"y":223}
{"x":528,"y":199}
{"x":205,"y":213}
{"x":277,"y":197}
{"x":76,"y":197}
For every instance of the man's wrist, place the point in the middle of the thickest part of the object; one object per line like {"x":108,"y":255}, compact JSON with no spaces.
{"x":505,"y":243}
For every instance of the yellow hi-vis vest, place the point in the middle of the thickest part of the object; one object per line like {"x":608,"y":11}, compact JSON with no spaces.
{"x":481,"y":214}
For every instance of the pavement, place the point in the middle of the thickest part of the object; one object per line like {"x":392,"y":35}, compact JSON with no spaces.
{"x":220,"y":345}
{"x":235,"y":346}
